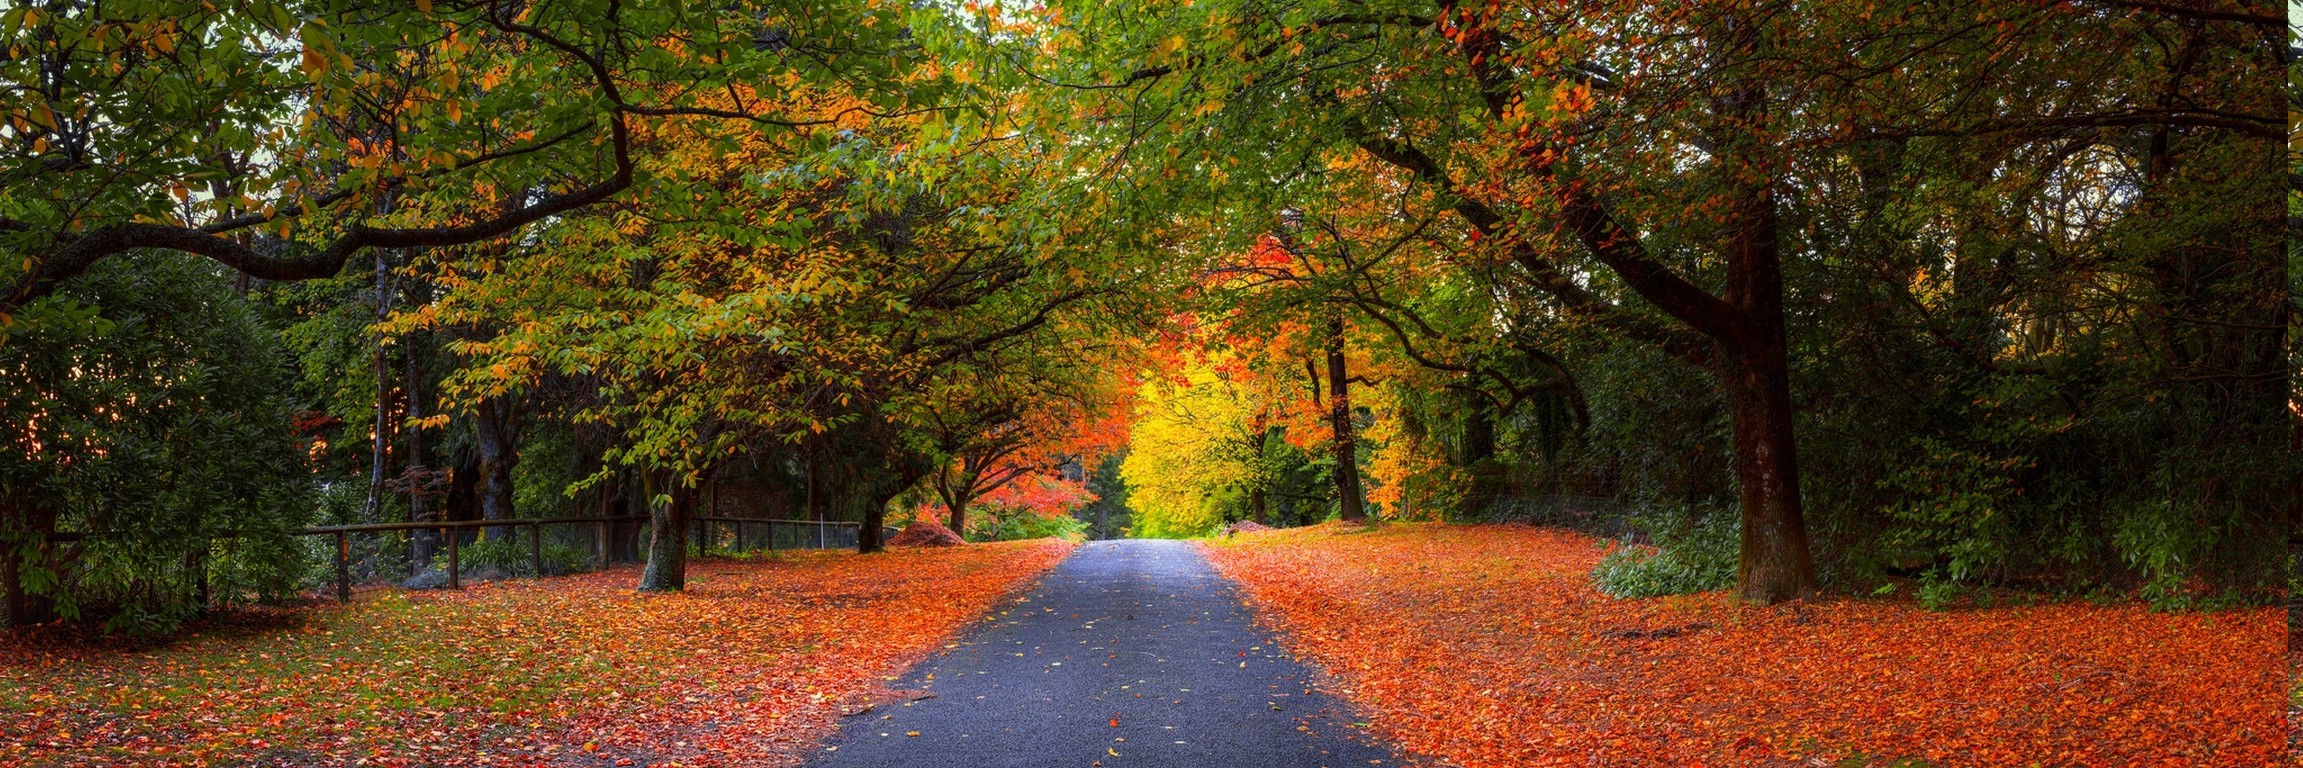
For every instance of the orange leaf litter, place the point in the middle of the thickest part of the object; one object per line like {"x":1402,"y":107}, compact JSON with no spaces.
{"x":1487,"y":646}
{"x":754,"y":663}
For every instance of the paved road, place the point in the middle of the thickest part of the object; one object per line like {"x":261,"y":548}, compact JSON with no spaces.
{"x":1143,"y":633}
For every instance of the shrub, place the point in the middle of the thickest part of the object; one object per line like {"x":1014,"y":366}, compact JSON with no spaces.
{"x":1000,"y":525}
{"x":511,"y":556}
{"x":1692,"y":553}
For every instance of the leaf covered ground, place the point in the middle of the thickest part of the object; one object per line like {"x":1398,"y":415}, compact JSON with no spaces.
{"x":756,"y":660}
{"x":1487,"y":646}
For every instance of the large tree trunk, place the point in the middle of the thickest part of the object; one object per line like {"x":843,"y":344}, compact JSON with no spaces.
{"x":667,"y":568}
{"x":868,"y":531}
{"x":497,"y":434}
{"x":1346,"y":448}
{"x":1775,"y":565}
{"x":958,"y":519}
{"x":1755,"y":375}
{"x":957,"y":495}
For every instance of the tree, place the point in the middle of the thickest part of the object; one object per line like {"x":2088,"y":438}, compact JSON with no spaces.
{"x":1632,"y":163}
{"x":152,"y":421}
{"x":182,"y":126}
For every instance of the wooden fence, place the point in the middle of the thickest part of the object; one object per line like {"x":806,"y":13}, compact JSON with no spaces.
{"x":810,"y":534}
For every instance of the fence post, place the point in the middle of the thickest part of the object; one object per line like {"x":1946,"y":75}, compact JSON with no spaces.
{"x":600,"y":546}
{"x":453,"y":581}
{"x":343,"y":567}
{"x":536,"y":547}
{"x":739,"y":535}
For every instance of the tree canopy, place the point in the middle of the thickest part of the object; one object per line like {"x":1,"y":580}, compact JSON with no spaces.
{"x":1882,"y":290}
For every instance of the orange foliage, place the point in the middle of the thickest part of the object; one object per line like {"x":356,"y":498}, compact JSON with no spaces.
{"x":1486,"y":645}
{"x":751,"y":665}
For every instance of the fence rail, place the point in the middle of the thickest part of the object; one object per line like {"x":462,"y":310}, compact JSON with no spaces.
{"x":739,"y":533}
{"x":826,"y":534}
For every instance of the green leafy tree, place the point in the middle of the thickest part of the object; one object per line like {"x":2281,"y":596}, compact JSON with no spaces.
{"x":155,"y":423}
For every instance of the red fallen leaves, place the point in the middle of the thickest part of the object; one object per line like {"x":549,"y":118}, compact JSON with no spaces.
{"x":753,"y":664}
{"x":1245,"y":526}
{"x":926,"y":533}
{"x":1487,"y":646}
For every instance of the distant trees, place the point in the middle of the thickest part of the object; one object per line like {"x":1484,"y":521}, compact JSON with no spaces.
{"x":1010,"y":427}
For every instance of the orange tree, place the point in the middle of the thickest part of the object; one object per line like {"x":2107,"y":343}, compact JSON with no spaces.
{"x":1000,"y":425}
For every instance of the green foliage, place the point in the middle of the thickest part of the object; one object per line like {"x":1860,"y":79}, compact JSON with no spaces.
{"x":1000,"y":525}
{"x":548,"y":468}
{"x":159,"y":425}
{"x":1691,"y":554}
{"x":511,"y":555}
{"x":1949,"y":504}
{"x":1109,"y":513}
{"x":1936,"y":593}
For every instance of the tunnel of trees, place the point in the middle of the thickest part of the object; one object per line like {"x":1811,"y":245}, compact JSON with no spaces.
{"x":1813,"y":293}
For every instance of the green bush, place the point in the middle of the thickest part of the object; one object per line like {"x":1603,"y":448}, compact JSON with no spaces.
{"x":1691,"y":554}
{"x":511,"y":556}
{"x":996,"y":526}
{"x":164,"y":425}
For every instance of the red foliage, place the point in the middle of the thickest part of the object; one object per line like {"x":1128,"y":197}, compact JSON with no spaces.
{"x":1487,"y":646}
{"x":1046,"y":495}
{"x":750,"y":666}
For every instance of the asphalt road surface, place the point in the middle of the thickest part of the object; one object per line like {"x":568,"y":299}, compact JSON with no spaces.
{"x":1143,"y":634}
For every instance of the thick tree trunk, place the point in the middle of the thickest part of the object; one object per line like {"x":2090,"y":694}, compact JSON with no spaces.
{"x":1478,"y":430}
{"x":463,"y":497}
{"x":956,"y":497}
{"x":497,"y":433}
{"x":1775,"y":564}
{"x":958,"y":519}
{"x":878,"y":490}
{"x":667,"y":568}
{"x":868,"y":531}
{"x":1755,"y":376}
{"x":1346,"y":447}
